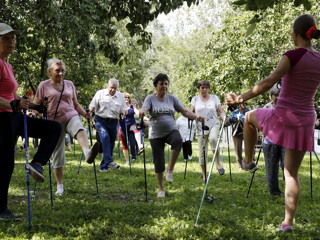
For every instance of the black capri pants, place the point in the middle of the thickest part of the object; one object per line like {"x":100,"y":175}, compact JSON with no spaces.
{"x":158,"y":144}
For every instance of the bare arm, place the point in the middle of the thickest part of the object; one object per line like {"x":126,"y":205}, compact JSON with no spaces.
{"x":265,"y":84}
{"x":187,"y":113}
{"x":79,"y":109}
{"x":4,"y":103}
{"x":220,"y":112}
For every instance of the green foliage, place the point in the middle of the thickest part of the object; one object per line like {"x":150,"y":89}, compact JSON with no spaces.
{"x":121,"y":212}
{"x":81,"y":33}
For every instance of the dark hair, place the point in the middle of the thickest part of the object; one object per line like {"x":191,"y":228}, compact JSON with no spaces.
{"x":160,"y":78}
{"x":303,"y":23}
{"x":203,"y":82}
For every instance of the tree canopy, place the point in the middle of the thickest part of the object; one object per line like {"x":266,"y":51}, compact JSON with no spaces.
{"x":232,"y":44}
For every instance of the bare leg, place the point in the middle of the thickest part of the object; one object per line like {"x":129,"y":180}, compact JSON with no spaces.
{"x":82,"y":139}
{"x":237,"y":141}
{"x":160,"y":182}
{"x":250,"y":135}
{"x":204,"y":174}
{"x":126,"y":155}
{"x":58,"y":172}
{"x":292,"y":162}
{"x":218,"y":164}
{"x":137,"y":136}
{"x":173,"y":157}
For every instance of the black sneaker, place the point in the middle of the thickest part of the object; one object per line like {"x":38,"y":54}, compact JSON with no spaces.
{"x":36,"y":172}
{"x":7,"y":215}
{"x":252,"y":167}
{"x":94,"y":150}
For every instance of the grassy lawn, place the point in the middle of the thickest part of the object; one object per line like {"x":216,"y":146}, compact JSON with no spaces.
{"x":122,"y":212}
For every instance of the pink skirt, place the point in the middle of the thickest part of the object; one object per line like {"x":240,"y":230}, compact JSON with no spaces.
{"x":287,"y":129}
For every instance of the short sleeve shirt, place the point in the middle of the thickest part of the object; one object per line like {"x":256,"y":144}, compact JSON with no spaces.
{"x":162,"y":121}
{"x":208,"y":110}
{"x":107,"y":106}
{"x":66,"y":109}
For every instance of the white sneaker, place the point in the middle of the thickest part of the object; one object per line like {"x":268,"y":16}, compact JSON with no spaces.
{"x":60,"y":190}
{"x":161,"y":194}
{"x":126,"y":164}
{"x":169,"y":176}
{"x":113,"y":166}
{"x":190,"y":157}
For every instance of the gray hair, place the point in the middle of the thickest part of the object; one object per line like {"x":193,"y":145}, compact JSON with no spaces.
{"x":114,"y":81}
{"x":275,"y":90}
{"x":53,"y":61}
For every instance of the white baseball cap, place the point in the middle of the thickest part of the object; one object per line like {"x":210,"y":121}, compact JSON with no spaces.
{"x":5,"y":28}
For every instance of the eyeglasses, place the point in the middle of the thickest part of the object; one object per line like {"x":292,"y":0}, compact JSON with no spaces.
{"x":127,"y":97}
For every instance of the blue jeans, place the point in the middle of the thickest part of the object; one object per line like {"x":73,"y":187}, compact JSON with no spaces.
{"x":107,"y":130}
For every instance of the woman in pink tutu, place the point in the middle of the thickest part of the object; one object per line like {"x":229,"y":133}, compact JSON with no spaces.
{"x":291,"y":123}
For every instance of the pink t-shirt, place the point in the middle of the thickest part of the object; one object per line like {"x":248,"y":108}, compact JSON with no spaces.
{"x":66,"y":109}
{"x":300,"y":83}
{"x":8,"y":83}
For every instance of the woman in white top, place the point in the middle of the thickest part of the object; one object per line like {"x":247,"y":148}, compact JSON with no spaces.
{"x":208,"y":106}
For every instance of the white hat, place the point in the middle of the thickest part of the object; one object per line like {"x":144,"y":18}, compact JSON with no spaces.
{"x":5,"y":28}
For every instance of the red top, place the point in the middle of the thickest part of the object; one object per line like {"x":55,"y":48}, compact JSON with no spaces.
{"x":8,"y":83}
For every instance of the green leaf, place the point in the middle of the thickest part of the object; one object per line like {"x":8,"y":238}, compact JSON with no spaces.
{"x":251,"y":29}
{"x":240,"y":2}
{"x":307,"y":5}
{"x":255,"y":19}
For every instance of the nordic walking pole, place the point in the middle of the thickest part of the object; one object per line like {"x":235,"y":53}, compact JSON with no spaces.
{"x":141,"y":127}
{"x":49,"y":163}
{"x":311,"y":174}
{"x":81,"y":156}
{"x":207,"y":182}
{"x":252,"y":177}
{"x":190,"y":127}
{"x":128,"y":142}
{"x":27,"y":165}
{"x":316,"y":156}
{"x":94,"y":164}
{"x":204,"y":154}
{"x":227,"y":133}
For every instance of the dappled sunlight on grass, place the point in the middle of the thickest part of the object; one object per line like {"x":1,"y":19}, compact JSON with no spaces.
{"x":122,"y":212}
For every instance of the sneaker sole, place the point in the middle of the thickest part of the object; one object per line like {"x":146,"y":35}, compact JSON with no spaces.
{"x":38,"y":177}
{"x":94,"y":152}
{"x":253,"y":169}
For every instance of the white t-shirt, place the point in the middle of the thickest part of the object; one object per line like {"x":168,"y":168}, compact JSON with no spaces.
{"x":186,"y":128}
{"x":208,"y":110}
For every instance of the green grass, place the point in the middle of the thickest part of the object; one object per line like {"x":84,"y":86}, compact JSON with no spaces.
{"x":121,"y":212}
